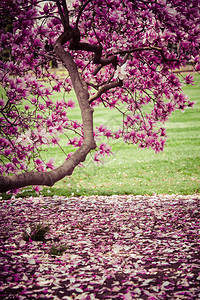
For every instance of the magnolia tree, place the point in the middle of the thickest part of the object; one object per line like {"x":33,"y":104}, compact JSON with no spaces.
{"x":121,"y":53}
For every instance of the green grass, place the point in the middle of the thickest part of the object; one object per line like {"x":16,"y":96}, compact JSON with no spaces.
{"x":140,"y":171}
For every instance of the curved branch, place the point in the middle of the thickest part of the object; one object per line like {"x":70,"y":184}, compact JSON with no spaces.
{"x":128,"y":51}
{"x":49,"y":178}
{"x":106,"y":61}
{"x":104,"y":89}
{"x":75,"y":44}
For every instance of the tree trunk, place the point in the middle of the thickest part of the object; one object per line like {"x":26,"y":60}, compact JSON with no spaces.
{"x":49,"y":178}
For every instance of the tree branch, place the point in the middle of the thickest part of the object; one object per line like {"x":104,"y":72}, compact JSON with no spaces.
{"x":104,"y":89}
{"x":106,"y":61}
{"x":75,"y":44}
{"x":64,"y":14}
{"x":147,"y":49}
{"x":66,"y":169}
{"x":81,"y":11}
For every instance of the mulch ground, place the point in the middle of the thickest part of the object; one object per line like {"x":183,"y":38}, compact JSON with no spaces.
{"x":98,"y":247}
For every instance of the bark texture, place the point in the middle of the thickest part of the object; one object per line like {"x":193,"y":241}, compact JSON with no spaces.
{"x":49,"y":178}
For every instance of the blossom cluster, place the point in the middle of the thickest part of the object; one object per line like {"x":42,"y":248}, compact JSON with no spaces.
{"x":149,"y":41}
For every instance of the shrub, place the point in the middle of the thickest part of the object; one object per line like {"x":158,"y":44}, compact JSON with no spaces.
{"x":36,"y":233}
{"x":57,"y":250}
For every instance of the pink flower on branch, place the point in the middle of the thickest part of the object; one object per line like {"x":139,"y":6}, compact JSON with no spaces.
{"x":25,"y":139}
{"x":105,"y":149}
{"x":51,"y":163}
{"x":71,"y":103}
{"x":2,"y":102}
{"x":121,"y":72}
{"x":40,"y":165}
{"x":189,"y":79}
{"x":55,"y":140}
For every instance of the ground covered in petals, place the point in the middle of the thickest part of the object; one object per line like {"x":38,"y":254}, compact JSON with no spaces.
{"x":98,"y":247}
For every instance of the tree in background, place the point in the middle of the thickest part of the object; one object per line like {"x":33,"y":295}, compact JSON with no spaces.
{"x":118,"y":53}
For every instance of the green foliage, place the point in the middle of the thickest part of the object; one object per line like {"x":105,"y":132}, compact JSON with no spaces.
{"x":36,"y":233}
{"x":57,"y":250}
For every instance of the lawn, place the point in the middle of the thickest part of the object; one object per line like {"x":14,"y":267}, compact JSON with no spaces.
{"x":138,"y":171}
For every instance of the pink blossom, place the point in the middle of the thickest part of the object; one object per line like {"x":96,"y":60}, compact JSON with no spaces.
{"x":4,"y":142}
{"x":197,"y":67}
{"x":40,"y":165}
{"x":27,"y":107}
{"x":51,"y":163}
{"x":69,"y":155}
{"x":71,"y":103}
{"x":10,"y":167}
{"x":38,"y":161}
{"x":189,"y":79}
{"x":105,"y":149}
{"x":2,"y":102}
{"x":57,"y":87}
{"x":121,"y":72}
{"x":38,"y":189}
{"x":42,"y":106}
{"x":97,"y":158}
{"x":7,"y":152}
{"x":55,"y":140}
{"x":43,"y":135}
{"x":75,"y":124}
{"x":24,"y":139}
